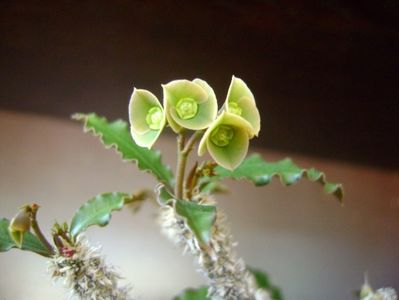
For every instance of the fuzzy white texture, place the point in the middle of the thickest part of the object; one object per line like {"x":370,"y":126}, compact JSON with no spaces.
{"x":85,"y":274}
{"x":382,"y":294}
{"x":227,"y":276}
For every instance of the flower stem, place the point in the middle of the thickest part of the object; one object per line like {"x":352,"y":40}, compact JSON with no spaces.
{"x":191,"y":142}
{"x":184,"y":150}
{"x":37,"y":231}
{"x":181,"y":166}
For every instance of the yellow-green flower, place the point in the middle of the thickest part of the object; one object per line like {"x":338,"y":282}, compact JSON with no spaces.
{"x":241,"y":101}
{"x":147,"y":117}
{"x":227,"y":140}
{"x":20,"y":224}
{"x":189,"y":104}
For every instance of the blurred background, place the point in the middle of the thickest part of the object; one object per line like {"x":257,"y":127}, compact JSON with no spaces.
{"x":325,"y":77}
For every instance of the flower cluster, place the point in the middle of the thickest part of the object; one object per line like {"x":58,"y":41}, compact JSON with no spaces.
{"x":192,"y":105}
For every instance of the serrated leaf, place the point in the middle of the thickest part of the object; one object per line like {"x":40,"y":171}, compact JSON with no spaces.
{"x":193,"y":294}
{"x":30,"y":241}
{"x":261,"y":172}
{"x":116,"y":135}
{"x":200,"y":218}
{"x":97,"y":211}
{"x":263,"y":282}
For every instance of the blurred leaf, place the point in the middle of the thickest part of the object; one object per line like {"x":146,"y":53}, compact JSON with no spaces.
{"x":200,"y":218}
{"x":262,"y":280}
{"x":97,"y":211}
{"x":193,"y":294}
{"x":30,"y":241}
{"x":116,"y":135}
{"x":261,"y":172}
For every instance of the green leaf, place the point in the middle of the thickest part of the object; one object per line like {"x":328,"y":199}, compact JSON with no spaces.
{"x":116,"y":135}
{"x":97,"y":211}
{"x":200,"y":218}
{"x":261,"y":172}
{"x":30,"y":241}
{"x":262,"y":281}
{"x":193,"y":294}
{"x":164,"y":197}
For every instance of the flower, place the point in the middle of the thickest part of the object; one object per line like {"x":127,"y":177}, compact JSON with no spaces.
{"x":20,"y":224}
{"x":189,"y":104}
{"x":227,"y":140}
{"x":147,"y":117}
{"x":241,"y":101}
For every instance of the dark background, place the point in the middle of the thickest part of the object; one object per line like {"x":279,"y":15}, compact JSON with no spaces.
{"x":325,"y":74}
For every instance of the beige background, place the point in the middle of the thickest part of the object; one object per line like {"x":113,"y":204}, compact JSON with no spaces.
{"x":312,"y":247}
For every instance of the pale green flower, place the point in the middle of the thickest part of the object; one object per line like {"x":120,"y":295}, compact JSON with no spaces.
{"x":241,"y":101}
{"x":189,"y":104}
{"x":20,"y":224}
{"x":227,"y":140}
{"x":147,"y":118}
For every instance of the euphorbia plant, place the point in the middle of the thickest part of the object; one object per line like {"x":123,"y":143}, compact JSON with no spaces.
{"x":189,"y":214}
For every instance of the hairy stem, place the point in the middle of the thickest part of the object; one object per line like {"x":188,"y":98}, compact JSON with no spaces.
{"x":37,"y":231}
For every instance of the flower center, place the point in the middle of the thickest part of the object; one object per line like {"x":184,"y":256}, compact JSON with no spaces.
{"x":222,"y":135}
{"x":235,"y":108}
{"x":187,"y":108}
{"x":154,"y":118}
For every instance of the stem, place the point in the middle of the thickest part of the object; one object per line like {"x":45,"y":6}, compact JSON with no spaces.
{"x":181,"y":166}
{"x":191,"y":142}
{"x":183,"y":152}
{"x":191,"y":182}
{"x":37,"y":231}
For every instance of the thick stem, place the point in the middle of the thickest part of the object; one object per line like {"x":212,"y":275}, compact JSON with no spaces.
{"x":37,"y":231}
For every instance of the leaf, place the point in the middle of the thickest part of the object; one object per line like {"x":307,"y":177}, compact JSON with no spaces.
{"x":97,"y":211}
{"x":164,"y":197}
{"x":262,"y":281}
{"x":30,"y":241}
{"x":200,"y":218}
{"x":116,"y":135}
{"x":261,"y":172}
{"x":194,"y":294}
